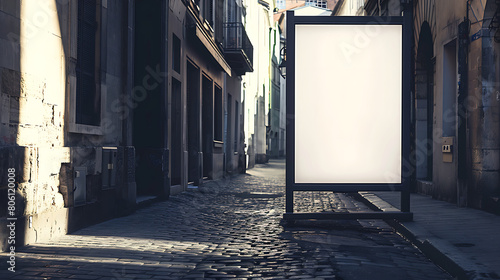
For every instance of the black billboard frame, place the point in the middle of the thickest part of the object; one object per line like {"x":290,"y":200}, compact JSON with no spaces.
{"x":404,"y":186}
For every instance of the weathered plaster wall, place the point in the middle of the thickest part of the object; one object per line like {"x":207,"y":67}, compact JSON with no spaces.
{"x":33,"y":105}
{"x":481,"y":106}
{"x":37,"y":49}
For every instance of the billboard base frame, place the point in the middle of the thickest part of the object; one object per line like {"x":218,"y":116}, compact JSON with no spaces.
{"x":403,"y":216}
{"x":389,"y":215}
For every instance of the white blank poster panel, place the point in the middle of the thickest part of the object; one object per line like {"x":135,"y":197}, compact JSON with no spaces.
{"x":348,"y":111}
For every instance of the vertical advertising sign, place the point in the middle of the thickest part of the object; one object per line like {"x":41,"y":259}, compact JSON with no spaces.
{"x":347,"y":105}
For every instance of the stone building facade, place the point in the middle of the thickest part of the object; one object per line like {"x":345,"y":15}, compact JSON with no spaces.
{"x":63,"y":65}
{"x":456,"y":100}
{"x":105,"y":103}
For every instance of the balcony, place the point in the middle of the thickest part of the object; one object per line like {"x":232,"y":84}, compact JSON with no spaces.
{"x":238,"y":49}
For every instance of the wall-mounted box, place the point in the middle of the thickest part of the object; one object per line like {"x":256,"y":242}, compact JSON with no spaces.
{"x":447,"y":149}
{"x":80,"y":185}
{"x":109,"y":155}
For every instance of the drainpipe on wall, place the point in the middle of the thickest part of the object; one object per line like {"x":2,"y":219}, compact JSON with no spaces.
{"x":269,"y":92}
{"x":129,"y":189}
{"x":165,"y":192}
{"x":128,"y":6}
{"x":226,"y":120}
{"x":462,"y":133}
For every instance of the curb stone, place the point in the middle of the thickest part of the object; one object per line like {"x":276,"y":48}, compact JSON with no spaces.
{"x":438,"y":251}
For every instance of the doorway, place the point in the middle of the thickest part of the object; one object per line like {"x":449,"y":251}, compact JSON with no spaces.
{"x":148,"y":125}
{"x":207,"y":125}
{"x":193,"y":124}
{"x":450,"y":89}
{"x":424,"y":103}
{"x":229,"y":134}
{"x":176,"y":133}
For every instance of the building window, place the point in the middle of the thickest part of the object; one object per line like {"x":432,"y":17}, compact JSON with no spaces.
{"x":176,"y":54}
{"x":218,"y":114}
{"x":88,"y":99}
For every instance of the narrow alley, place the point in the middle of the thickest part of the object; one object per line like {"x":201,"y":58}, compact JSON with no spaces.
{"x":229,"y":229}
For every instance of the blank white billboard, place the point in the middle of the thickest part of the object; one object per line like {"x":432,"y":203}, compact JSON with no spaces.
{"x":348,"y":104}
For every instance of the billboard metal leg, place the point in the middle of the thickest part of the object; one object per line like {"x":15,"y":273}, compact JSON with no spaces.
{"x":405,"y":200}
{"x":289,"y":201}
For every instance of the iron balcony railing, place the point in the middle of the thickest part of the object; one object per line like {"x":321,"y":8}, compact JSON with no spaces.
{"x":236,"y":39}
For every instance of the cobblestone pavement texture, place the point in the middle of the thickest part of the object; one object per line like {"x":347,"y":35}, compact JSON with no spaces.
{"x":229,"y":229}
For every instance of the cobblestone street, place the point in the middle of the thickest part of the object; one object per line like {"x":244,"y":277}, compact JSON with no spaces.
{"x":229,"y":228}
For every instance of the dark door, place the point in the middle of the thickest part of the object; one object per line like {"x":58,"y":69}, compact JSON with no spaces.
{"x":207,"y":125}
{"x":193,"y":119}
{"x":148,"y":127}
{"x":176,"y":132}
